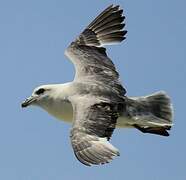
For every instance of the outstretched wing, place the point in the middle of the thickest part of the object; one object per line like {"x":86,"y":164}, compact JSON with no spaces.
{"x":90,"y":59}
{"x":93,"y":125}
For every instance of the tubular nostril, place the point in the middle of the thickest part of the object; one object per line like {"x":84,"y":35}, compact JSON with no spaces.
{"x":28,"y":101}
{"x":25,"y":103}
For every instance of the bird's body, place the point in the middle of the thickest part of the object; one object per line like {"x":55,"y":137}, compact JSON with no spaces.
{"x":61,"y":108}
{"x":96,"y":102}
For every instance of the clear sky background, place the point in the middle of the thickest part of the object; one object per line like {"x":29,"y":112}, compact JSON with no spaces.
{"x":33,"y":37}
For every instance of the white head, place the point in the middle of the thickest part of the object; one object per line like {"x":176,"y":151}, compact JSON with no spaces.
{"x":41,"y":95}
{"x":53,"y":99}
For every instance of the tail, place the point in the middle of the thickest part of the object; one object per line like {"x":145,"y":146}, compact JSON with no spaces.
{"x":151,"y":114}
{"x":105,"y":29}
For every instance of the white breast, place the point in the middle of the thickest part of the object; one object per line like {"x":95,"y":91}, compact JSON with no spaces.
{"x":61,"y":110}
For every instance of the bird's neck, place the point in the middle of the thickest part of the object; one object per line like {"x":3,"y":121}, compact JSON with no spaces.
{"x":58,"y":104}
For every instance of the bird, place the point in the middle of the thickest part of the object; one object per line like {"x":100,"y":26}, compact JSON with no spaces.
{"x":95,"y":102}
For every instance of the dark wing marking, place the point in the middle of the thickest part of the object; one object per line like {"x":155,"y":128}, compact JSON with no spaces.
{"x":93,"y":125}
{"x":105,"y":29}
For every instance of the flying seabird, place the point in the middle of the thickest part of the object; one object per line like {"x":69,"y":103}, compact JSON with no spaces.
{"x":96,"y":102}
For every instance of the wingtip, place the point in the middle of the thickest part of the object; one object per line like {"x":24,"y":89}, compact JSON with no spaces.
{"x":104,"y":29}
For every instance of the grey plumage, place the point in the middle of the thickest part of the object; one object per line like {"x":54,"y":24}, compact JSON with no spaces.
{"x":94,"y":66}
{"x":96,"y":96}
{"x":94,"y":122}
{"x":152,"y":114}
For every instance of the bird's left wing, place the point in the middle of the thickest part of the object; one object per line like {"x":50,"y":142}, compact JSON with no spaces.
{"x":94,"y":120}
{"x":89,"y":58}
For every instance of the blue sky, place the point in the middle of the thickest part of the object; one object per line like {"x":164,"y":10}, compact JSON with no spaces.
{"x":33,"y":37}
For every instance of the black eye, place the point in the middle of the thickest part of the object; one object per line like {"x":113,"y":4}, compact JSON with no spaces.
{"x":40,"y":91}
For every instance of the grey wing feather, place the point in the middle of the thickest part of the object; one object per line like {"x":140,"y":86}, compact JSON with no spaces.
{"x":94,"y":66}
{"x":90,"y":60}
{"x":93,"y":125}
